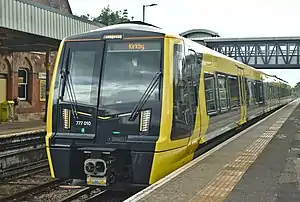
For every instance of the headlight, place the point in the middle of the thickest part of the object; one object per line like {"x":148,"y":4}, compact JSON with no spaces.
{"x":66,"y":118}
{"x":89,"y":167}
{"x":145,"y":120}
{"x":95,"y":167}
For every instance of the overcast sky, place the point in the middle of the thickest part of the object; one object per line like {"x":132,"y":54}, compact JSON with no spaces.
{"x":230,"y":18}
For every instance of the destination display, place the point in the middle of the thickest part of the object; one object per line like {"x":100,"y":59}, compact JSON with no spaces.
{"x":133,"y":46}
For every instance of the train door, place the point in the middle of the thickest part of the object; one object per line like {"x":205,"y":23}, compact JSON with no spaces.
{"x":242,"y":91}
{"x":193,"y":63}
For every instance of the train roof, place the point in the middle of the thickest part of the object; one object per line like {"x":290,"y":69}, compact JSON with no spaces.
{"x":134,"y":26}
{"x":130,"y":27}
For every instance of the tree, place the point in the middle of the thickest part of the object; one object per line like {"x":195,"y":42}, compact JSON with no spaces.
{"x":87,"y":16}
{"x":109,"y":17}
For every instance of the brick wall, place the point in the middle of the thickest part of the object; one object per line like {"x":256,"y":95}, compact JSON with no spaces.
{"x":33,"y":63}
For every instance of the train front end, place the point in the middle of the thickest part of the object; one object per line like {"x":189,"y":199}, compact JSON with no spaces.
{"x":105,"y":106}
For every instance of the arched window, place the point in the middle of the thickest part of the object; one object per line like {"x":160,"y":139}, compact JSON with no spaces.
{"x":23,"y":84}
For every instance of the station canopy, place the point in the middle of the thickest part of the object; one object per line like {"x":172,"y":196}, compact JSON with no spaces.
{"x":29,"y":26}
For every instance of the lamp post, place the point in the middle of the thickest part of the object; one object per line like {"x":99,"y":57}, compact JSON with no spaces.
{"x":144,"y":8}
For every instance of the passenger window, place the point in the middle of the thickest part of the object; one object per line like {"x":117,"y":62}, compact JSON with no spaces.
{"x":209,"y":84}
{"x":270,"y":92}
{"x":252,"y":91}
{"x":222,"y":92}
{"x":194,"y":70}
{"x":233,"y":88}
{"x":259,"y":92}
{"x":196,"y":75}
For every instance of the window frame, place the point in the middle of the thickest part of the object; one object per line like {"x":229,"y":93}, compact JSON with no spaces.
{"x":104,"y":59}
{"x":229,"y":79}
{"x":222,"y":76}
{"x":69,"y":49}
{"x":25,"y":85}
{"x":211,"y":76}
{"x":183,"y":123}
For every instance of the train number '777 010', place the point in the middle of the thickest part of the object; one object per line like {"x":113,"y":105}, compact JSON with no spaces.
{"x":83,"y":123}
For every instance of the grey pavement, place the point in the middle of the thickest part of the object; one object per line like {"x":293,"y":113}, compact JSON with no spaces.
{"x":275,"y":175}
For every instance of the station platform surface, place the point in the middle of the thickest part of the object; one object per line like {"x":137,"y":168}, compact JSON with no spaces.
{"x":261,"y":163}
{"x":12,"y":128}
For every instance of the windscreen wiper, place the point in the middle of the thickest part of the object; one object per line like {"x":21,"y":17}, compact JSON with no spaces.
{"x":67,"y":82}
{"x":145,"y":96}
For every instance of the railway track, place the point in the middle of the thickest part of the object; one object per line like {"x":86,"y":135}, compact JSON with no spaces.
{"x":24,"y":174}
{"x":13,"y":142}
{"x":56,"y":190}
{"x":31,"y":190}
{"x":91,"y":194}
{"x":109,"y":196}
{"x":21,"y":154}
{"x":24,"y":170}
{"x":85,"y":192}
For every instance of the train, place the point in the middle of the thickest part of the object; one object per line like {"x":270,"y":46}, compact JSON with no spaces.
{"x":130,"y":103}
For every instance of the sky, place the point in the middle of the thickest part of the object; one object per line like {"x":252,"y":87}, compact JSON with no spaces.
{"x":230,"y":18}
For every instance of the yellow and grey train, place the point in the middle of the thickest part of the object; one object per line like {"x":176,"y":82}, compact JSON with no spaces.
{"x":130,"y":103}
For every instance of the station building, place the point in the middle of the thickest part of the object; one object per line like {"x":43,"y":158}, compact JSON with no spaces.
{"x":23,"y":75}
{"x":198,"y":35}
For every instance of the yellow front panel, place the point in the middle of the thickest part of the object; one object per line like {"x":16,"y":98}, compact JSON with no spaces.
{"x":168,"y":154}
{"x":167,"y":162}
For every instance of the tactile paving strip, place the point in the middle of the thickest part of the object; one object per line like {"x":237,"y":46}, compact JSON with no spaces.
{"x":219,"y":188}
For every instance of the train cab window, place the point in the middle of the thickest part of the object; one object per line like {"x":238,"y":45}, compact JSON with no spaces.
{"x":222,"y":88}
{"x":82,"y":61}
{"x":181,"y":95}
{"x":209,"y":84}
{"x":233,"y":88}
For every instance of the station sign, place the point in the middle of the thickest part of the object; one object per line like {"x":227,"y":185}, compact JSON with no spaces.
{"x":42,"y":75}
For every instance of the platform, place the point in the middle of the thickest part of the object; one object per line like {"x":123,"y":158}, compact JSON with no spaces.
{"x":262,"y":163}
{"x":18,"y":128}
